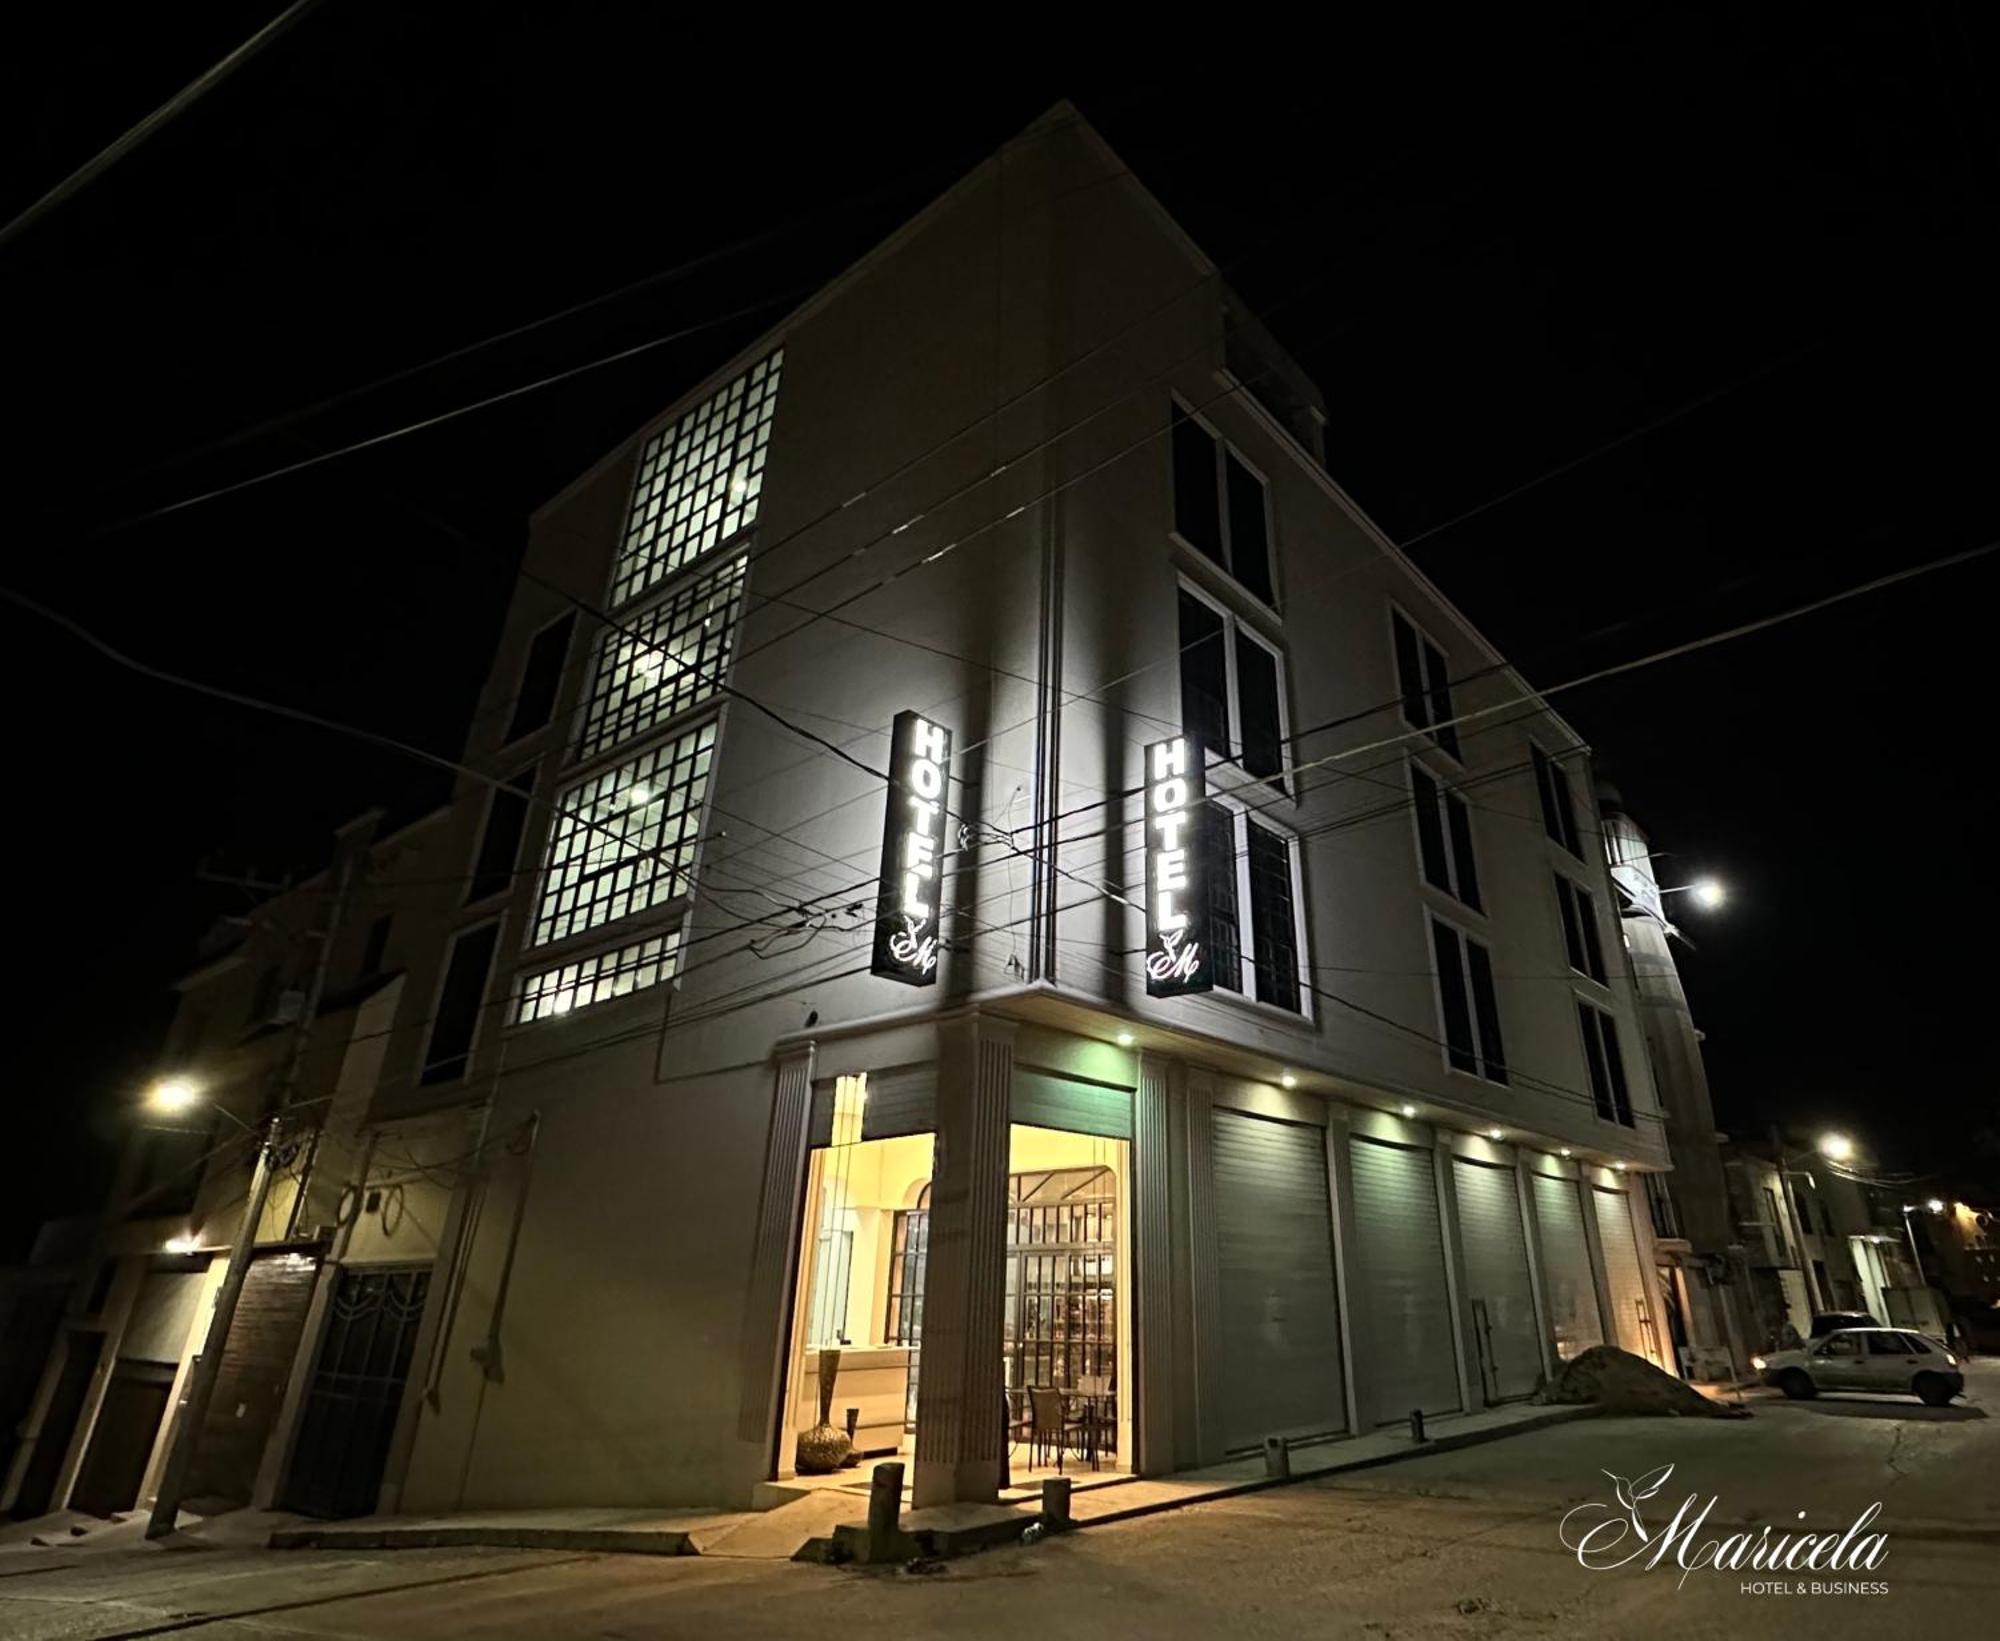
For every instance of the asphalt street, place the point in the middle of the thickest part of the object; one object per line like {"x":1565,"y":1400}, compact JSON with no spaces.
{"x":1455,"y":1544}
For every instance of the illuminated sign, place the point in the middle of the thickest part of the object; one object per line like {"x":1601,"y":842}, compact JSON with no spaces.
{"x":1177,"y":955}
{"x":906,"y":916}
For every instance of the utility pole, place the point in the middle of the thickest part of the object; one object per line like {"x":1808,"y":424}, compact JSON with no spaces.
{"x":201,"y":1384}
{"x":1798,"y":1231}
{"x":208,"y":1366}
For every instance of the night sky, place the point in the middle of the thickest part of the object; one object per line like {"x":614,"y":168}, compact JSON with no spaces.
{"x":1495,"y":257}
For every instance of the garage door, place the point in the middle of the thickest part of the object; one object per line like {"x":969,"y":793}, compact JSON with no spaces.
{"x":1498,"y":1289}
{"x":1622,"y":1273}
{"x":1403,"y":1340}
{"x":1280,"y":1352}
{"x":1567,"y":1282}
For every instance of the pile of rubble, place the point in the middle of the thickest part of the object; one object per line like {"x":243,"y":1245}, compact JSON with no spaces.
{"x":1620,"y":1382}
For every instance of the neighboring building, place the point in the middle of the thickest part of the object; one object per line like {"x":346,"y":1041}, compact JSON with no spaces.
{"x":1959,"y":1245}
{"x":1029,"y":475}
{"x":344,"y":1245}
{"x":1704,"y":1276}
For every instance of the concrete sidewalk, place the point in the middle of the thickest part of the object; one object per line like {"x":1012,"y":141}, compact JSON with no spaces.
{"x":825,"y":1525}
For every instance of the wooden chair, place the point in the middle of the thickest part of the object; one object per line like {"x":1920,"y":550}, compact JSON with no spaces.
{"x":1051,"y":1427}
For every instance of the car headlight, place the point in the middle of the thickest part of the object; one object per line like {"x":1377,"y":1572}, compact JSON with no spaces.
{"x":1758,"y":1363}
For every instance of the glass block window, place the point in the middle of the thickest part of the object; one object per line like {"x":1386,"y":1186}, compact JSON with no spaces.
{"x":598,"y":979}
{"x":699,"y":480}
{"x":624,"y":840}
{"x":664,"y":660}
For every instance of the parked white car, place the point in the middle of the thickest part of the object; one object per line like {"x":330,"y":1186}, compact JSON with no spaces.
{"x":1877,"y":1359}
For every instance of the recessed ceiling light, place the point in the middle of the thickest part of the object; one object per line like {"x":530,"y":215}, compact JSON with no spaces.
{"x":1289,"y":1080}
{"x":1566,"y":1151}
{"x":1496,"y":1133}
{"x":1409,"y":1110}
{"x":1125,"y":1039}
{"x":1619,"y":1166}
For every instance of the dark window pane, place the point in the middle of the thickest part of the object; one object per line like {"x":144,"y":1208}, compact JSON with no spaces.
{"x":1572,"y":935}
{"x":1249,"y":530}
{"x":1487,"y":1007}
{"x":1460,"y":820}
{"x":1430,"y":830}
{"x":1593,"y":1054}
{"x":1451,"y":992}
{"x":1438,"y":695}
{"x":1225,"y":921}
{"x":1204,"y":676}
{"x":1550,"y":824}
{"x":1410,"y":676}
{"x":541,"y":678}
{"x":1593,"y":945}
{"x":1197,"y":507}
{"x":1565,"y":811}
{"x":458,"y":1005}
{"x":378,"y":944}
{"x":1257,"y":706}
{"x":500,"y":843}
{"x":1614,"y":1065}
{"x":1271,"y":918}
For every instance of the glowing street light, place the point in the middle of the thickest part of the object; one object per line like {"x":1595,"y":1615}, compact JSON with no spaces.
{"x":1709,"y":894}
{"x":1836,"y":1148}
{"x":173,"y":1094}
{"x":1936,"y":1205}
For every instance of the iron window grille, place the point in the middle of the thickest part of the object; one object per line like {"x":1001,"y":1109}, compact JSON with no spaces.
{"x":699,"y":481}
{"x":624,"y":841}
{"x":664,"y":660}
{"x":549,"y":993}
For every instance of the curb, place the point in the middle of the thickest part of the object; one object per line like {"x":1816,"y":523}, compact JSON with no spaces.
{"x":599,"y":1540}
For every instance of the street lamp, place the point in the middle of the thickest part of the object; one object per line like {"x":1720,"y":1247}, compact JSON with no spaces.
{"x":173,"y":1094}
{"x":1709,"y":893}
{"x":1836,"y":1148}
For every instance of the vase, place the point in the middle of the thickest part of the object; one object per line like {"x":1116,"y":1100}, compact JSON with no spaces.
{"x":822,"y":1449}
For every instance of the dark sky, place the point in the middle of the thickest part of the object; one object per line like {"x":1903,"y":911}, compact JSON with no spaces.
{"x":1495,"y":255}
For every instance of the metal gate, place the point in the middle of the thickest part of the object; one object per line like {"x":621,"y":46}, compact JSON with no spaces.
{"x":1403,"y":1336}
{"x":1567,"y":1281}
{"x":1505,"y":1333}
{"x":1280,"y":1345}
{"x":357,"y":1390}
{"x":1630,"y":1303}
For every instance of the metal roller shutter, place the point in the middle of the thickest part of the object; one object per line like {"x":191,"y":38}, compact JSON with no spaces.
{"x":1403,"y":1337}
{"x":1280,"y":1355}
{"x":1627,"y":1282}
{"x":1045,"y":1099}
{"x":900,"y":1100}
{"x":1497,"y":1284}
{"x":1567,"y":1281}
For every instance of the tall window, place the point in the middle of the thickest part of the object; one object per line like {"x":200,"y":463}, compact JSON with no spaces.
{"x":455,"y":1024}
{"x":1444,"y":838}
{"x":550,"y":993}
{"x":1558,"y":807}
{"x":1425,"y":682}
{"x":1220,"y":506}
{"x":1607,"y":1065}
{"x":1466,"y":1000}
{"x":699,"y":480}
{"x":1232,"y":690}
{"x":500,"y":838}
{"x":624,"y":840}
{"x":1253,"y":899}
{"x":664,"y":660}
{"x":541,"y":677}
{"x":1577,"y":907}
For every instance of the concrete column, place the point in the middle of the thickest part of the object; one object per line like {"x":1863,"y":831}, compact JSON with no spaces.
{"x":1152,"y":1269}
{"x":766,"y":1318}
{"x":1204,"y":1301}
{"x":965,"y":1279}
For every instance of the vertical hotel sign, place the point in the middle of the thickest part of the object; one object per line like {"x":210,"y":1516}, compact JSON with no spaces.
{"x":906,"y":916}
{"x":1177,"y":955}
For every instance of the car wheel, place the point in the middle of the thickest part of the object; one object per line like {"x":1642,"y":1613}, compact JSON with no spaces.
{"x":1797,"y":1384}
{"x":1931,"y":1390}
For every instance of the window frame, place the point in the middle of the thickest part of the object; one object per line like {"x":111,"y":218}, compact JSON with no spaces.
{"x":1283,"y":783}
{"x":498,"y":924}
{"x":1586,"y":897}
{"x":531,"y":775}
{"x":513,"y":736}
{"x":1224,"y":448}
{"x":1480,"y":1049}
{"x":1241,"y":817}
{"x":1416,"y":766}
{"x":1538,"y":756}
{"x":1397,"y":610}
{"x":1630,"y":1120}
